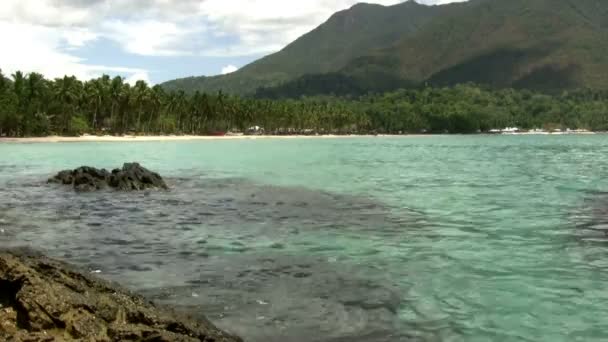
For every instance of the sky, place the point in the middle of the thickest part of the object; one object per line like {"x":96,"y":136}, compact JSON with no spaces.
{"x":153,"y":40}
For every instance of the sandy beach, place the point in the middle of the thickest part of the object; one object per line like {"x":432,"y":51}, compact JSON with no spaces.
{"x":131,"y":138}
{"x":144,"y":138}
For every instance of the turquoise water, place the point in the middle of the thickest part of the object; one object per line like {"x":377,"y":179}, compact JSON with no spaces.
{"x":439,"y":238}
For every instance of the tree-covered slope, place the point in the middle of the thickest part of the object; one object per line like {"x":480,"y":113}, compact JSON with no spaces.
{"x":538,"y":44}
{"x":542,"y":44}
{"x":343,"y":37}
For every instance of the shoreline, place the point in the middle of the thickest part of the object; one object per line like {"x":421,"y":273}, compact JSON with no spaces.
{"x":145,"y":138}
{"x":157,"y":138}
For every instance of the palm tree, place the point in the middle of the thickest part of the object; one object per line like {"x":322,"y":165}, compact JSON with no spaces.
{"x":126,"y":106}
{"x":180,"y":107}
{"x":35,"y":94}
{"x":115,"y":94}
{"x":157,"y":94}
{"x":3,"y":82}
{"x":9,"y":117}
{"x":204,"y":113}
{"x":141,"y":99}
{"x":103,"y":85}
{"x":93,"y":96}
{"x":19,"y":90}
{"x":67,"y":92}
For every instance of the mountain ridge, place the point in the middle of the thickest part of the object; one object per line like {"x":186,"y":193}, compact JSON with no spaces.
{"x":537,"y":44}
{"x":263,"y":72}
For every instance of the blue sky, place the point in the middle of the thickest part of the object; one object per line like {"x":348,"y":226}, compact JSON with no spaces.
{"x":153,"y":40}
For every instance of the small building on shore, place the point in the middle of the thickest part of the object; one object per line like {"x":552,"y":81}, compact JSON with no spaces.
{"x":255,"y":130}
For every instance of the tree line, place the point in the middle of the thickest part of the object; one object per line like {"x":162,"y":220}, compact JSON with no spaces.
{"x":31,"y":105}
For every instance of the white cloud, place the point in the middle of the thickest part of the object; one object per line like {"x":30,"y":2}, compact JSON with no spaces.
{"x":78,"y":37}
{"x":265,"y":26}
{"x":228,"y":69}
{"x":44,"y":12}
{"x":181,"y":27}
{"x":42,"y":35}
{"x":144,"y":27}
{"x":138,"y":76}
{"x":35,"y":48}
{"x":147,"y":37}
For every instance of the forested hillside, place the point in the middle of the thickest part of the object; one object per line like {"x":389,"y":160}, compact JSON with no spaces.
{"x":547,"y":45}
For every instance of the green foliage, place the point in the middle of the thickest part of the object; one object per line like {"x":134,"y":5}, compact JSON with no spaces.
{"x":333,"y":84}
{"x":9,"y":117}
{"x":34,"y":106}
{"x":78,"y":126}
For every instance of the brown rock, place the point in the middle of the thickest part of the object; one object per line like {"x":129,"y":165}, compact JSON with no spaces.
{"x":45,"y":300}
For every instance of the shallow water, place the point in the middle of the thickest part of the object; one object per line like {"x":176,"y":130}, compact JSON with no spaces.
{"x":442,"y":238}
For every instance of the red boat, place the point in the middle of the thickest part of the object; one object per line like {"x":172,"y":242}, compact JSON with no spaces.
{"x":217,"y":134}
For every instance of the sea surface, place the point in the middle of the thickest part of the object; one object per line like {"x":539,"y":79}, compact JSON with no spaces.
{"x":438,"y":238}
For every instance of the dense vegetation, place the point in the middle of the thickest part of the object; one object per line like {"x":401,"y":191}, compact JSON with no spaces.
{"x":33,"y":106}
{"x":546,"y":45}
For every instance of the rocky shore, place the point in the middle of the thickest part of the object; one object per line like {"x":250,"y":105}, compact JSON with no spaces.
{"x":45,"y":300}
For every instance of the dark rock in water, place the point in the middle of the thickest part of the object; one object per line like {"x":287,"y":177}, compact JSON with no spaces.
{"x":63,"y":177}
{"x":44,"y":300}
{"x":132,"y":177}
{"x":83,"y":178}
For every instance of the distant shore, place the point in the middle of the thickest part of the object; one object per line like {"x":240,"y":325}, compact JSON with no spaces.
{"x":141,"y":138}
{"x":144,"y":138}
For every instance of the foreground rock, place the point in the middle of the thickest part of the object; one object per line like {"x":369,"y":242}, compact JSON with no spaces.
{"x":44,"y":300}
{"x":132,"y":177}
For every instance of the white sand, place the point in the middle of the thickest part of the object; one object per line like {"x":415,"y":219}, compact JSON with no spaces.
{"x":111,"y":138}
{"x":131,"y":138}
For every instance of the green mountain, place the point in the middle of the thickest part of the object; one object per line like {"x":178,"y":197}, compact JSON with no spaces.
{"x":542,"y":44}
{"x":538,"y":44}
{"x":345,"y":36}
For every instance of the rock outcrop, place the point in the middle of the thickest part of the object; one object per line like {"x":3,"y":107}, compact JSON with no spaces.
{"x":132,"y":177}
{"x":45,"y":300}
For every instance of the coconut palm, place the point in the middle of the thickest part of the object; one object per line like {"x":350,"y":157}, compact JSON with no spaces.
{"x":140,"y":101}
{"x":115,"y":95}
{"x":94,"y":96}
{"x":156,"y":96}
{"x":67,"y":93}
{"x":36,"y":120}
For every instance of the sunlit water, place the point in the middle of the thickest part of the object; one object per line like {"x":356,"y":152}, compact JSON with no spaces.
{"x":443,"y":238}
